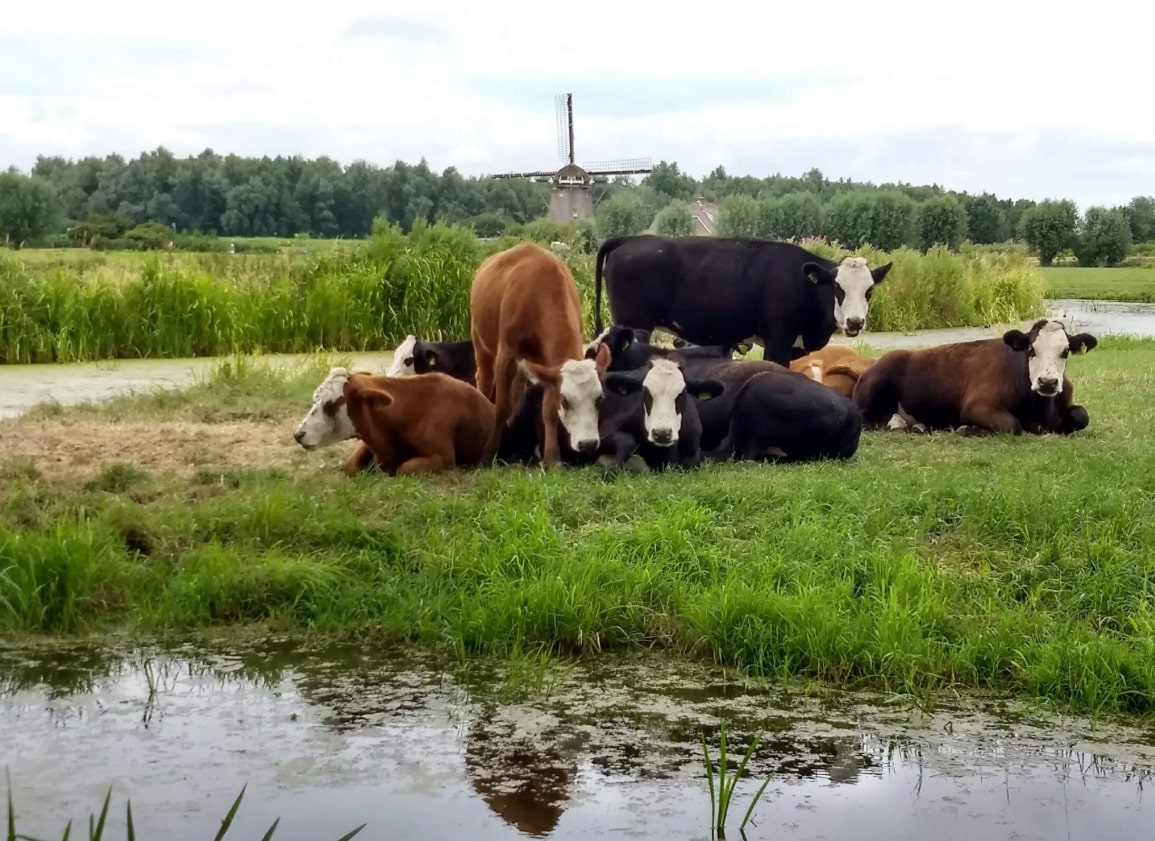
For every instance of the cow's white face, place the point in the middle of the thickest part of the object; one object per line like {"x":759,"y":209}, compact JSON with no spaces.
{"x":580,"y":394}
{"x":402,"y":365}
{"x":1047,"y":346}
{"x":661,"y":388}
{"x":852,"y":296}
{"x":327,"y":422}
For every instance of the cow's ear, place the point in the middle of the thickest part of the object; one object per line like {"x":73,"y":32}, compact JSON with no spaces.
{"x":621,"y":339}
{"x":879,"y":274}
{"x":367,"y":393}
{"x":818,"y":274}
{"x":602,"y":359}
{"x":702,"y":390}
{"x":1016,"y":340}
{"x":1082,"y":342}
{"x":622,"y":384}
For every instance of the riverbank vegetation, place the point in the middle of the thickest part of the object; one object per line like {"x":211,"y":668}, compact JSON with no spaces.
{"x":368,"y":296}
{"x":924,"y":564}
{"x":1135,"y":285}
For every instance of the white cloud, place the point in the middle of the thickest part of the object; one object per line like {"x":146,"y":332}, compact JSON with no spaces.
{"x":986,"y":96}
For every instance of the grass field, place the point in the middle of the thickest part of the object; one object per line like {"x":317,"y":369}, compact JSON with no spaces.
{"x":1118,"y":284}
{"x":924,"y":564}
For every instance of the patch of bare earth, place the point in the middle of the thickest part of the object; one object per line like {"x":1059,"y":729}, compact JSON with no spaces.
{"x":82,"y":447}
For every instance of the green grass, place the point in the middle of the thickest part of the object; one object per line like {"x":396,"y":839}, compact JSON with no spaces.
{"x":1100,"y":284}
{"x":368,"y":295}
{"x":925,"y":564}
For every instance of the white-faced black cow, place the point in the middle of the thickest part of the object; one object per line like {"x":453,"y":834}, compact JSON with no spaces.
{"x":721,"y":290}
{"x":1014,"y":384}
{"x":414,"y":356}
{"x":655,"y":415}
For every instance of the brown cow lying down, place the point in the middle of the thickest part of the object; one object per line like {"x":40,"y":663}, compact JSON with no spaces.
{"x":835,"y":366}
{"x":415,"y":424}
{"x":1014,"y":384}
{"x":524,"y":305}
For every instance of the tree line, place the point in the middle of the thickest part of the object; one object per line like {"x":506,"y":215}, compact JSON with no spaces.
{"x":94,"y":200}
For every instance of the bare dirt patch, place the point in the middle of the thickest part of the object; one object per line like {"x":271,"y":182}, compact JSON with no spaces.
{"x":82,"y":447}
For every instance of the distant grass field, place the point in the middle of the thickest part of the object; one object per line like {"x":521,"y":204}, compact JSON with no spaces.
{"x":924,"y":564}
{"x":1099,"y":284}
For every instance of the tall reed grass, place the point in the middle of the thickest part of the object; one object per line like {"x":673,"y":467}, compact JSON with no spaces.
{"x":368,"y":296}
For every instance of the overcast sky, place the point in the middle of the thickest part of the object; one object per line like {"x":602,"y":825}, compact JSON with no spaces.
{"x":984,"y":95}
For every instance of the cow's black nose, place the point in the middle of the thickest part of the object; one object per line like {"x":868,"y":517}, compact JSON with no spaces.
{"x":588,"y":446}
{"x":855,"y":324}
{"x":663,"y":436}
{"x":299,"y":435}
{"x":1048,"y":384}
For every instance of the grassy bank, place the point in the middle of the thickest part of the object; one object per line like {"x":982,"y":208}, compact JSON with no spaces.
{"x":924,"y":563}
{"x":1100,"y":284}
{"x":369,"y":295}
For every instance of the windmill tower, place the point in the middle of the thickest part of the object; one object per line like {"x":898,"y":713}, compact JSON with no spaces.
{"x":570,"y":197}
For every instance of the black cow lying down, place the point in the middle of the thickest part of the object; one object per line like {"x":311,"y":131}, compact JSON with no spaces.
{"x":630,"y":349}
{"x":1015,"y":384}
{"x":414,"y":356}
{"x":764,"y":410}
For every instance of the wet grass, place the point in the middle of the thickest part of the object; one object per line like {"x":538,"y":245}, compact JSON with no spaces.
{"x":97,"y":825}
{"x":923,"y":565}
{"x":1100,"y":284}
{"x":720,"y":801}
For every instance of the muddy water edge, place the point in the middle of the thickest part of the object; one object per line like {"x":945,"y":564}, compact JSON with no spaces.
{"x":414,"y":745}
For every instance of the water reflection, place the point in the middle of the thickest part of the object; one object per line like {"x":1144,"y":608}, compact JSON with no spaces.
{"x":330,"y":736}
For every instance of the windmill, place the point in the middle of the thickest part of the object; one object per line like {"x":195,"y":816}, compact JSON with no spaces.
{"x":570,"y":197}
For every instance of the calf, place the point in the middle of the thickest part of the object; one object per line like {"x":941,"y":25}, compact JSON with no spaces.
{"x":524,"y":305}
{"x":768,"y":411}
{"x":835,"y":366}
{"x":1013,"y":384}
{"x":655,"y":415}
{"x":573,"y":395}
{"x":419,"y":424}
{"x":414,"y":356}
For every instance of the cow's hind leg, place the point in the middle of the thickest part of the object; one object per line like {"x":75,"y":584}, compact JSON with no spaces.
{"x":980,"y":420}
{"x":433,"y":463}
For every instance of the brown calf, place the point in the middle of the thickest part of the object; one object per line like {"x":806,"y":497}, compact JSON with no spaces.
{"x":416,"y":424}
{"x":1015,"y":384}
{"x":835,"y":366}
{"x":524,"y":305}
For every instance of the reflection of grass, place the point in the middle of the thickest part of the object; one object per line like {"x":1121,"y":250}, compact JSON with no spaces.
{"x":720,"y":804}
{"x":96,"y":825}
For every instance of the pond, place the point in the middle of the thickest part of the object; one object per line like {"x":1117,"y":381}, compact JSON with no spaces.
{"x":331,"y":736}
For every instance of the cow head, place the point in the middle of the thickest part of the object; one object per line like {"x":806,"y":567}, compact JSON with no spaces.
{"x":573,"y":391}
{"x":327,"y":421}
{"x":854,"y":283}
{"x":665,"y":392}
{"x":1047,"y":346}
{"x":404,"y":358}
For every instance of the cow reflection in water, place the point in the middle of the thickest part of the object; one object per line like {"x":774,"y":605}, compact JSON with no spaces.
{"x":524,"y":777}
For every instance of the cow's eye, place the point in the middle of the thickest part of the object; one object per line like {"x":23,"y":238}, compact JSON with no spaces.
{"x":408,"y":360}
{"x":564,"y":405}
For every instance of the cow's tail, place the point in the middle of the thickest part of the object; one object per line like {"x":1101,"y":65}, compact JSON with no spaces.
{"x":603,"y":252}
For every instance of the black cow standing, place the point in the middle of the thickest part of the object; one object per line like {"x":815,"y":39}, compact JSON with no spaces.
{"x":725,"y":291}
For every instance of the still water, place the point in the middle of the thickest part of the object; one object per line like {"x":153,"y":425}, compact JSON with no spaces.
{"x":329,"y":737}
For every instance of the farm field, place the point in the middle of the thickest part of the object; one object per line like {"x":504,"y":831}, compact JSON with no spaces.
{"x":923,"y":565}
{"x":1100,"y":284}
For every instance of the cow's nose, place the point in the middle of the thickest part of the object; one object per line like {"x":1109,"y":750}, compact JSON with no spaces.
{"x":590,"y":445}
{"x":299,"y":436}
{"x":1048,"y":384}
{"x":663,"y":436}
{"x":855,"y":324}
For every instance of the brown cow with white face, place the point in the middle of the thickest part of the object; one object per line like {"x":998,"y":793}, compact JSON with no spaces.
{"x":1015,"y":384}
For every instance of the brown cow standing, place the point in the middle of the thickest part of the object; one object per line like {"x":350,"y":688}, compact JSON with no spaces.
{"x":524,"y":305}
{"x":835,"y":366}
{"x":417,"y":424}
{"x":1015,"y":384}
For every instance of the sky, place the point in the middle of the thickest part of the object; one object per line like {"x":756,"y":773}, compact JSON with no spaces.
{"x":995,"y":96}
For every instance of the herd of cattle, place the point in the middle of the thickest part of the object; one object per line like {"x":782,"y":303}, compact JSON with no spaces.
{"x":526,"y":387}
